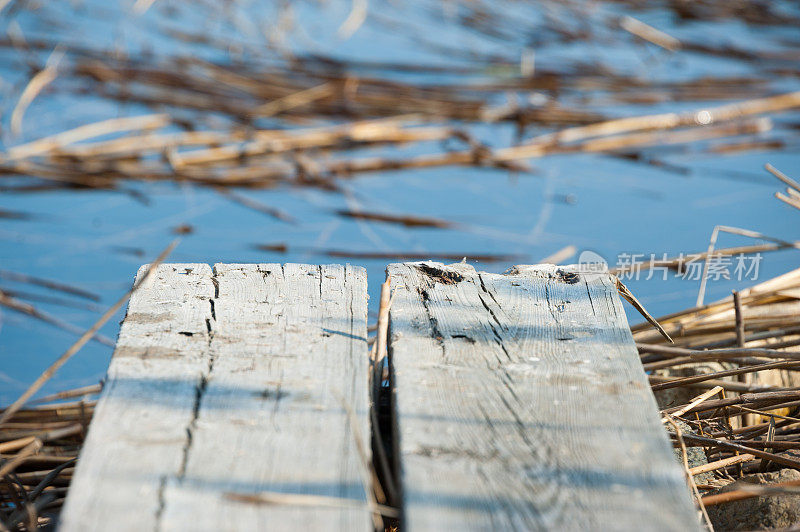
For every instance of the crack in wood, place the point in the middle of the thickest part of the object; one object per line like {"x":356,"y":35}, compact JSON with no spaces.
{"x":200,"y":390}
{"x":589,"y":294}
{"x":162,"y":484}
{"x":437,"y":334}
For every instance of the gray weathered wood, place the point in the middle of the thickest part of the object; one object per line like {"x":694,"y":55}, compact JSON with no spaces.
{"x":520,"y":403}
{"x":227,"y":387}
{"x":138,"y":432}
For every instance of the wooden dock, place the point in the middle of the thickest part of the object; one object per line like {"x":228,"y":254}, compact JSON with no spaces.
{"x":238,"y":398}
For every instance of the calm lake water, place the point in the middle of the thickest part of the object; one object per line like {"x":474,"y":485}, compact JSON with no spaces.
{"x":96,"y":240}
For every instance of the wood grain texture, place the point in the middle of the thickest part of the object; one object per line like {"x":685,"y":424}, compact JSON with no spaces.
{"x":138,"y":434}
{"x":283,"y":353}
{"x":520,"y":403}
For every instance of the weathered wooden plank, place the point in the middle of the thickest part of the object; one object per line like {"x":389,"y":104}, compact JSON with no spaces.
{"x":138,"y":433}
{"x":285,"y":352}
{"x":289,"y":351}
{"x":520,"y":403}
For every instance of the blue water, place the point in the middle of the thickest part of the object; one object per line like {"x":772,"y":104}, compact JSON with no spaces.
{"x":87,"y":238}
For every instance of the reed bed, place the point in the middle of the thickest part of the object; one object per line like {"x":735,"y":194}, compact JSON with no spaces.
{"x":310,"y":156}
{"x":727,"y":382}
{"x":731,"y":379}
{"x":306,"y":120}
{"x":39,"y":447}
